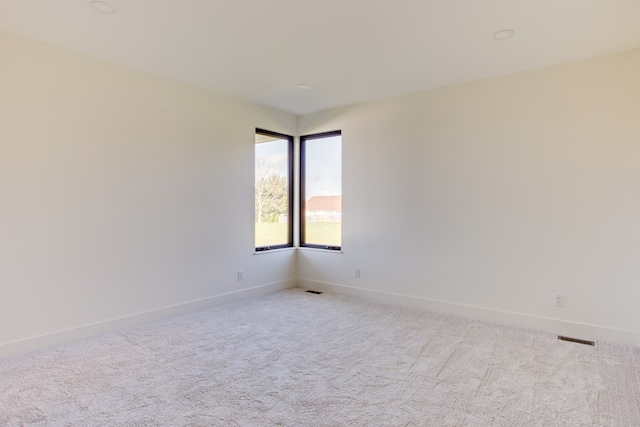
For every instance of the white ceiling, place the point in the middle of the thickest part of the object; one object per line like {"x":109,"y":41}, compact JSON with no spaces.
{"x":349,"y":51}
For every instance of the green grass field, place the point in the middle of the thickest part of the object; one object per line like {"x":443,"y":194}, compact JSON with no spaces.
{"x":328,"y":233}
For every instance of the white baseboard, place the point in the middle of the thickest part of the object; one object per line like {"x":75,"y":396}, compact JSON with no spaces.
{"x":561,"y":327}
{"x":69,"y":335}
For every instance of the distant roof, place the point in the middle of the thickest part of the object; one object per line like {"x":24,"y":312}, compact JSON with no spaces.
{"x":324,"y":203}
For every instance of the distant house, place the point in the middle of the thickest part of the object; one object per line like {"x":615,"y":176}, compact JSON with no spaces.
{"x":324,"y":209}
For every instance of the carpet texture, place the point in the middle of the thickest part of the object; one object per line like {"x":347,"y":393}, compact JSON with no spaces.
{"x":295,"y":359}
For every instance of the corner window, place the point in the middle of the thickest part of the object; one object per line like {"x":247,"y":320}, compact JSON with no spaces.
{"x":321,"y":190}
{"x":273,"y":190}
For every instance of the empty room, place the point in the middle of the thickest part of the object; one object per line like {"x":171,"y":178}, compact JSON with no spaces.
{"x":306,"y":213}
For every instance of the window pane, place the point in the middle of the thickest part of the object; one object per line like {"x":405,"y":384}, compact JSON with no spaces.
{"x":272,"y":190}
{"x":322,"y":190}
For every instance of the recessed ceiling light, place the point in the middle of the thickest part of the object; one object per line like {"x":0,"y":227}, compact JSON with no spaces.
{"x":504,"y":34}
{"x":102,"y":7}
{"x":303,"y":86}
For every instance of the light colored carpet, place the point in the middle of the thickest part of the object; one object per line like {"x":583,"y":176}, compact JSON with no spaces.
{"x":296,"y":359}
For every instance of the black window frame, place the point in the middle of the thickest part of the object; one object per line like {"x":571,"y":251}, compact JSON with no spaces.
{"x":290,"y":191}
{"x":302,"y":213}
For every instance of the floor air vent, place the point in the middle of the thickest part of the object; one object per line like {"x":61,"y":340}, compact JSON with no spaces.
{"x":576,"y":340}
{"x":314,"y":292}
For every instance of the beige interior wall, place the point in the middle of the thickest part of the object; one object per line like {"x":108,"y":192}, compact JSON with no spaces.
{"x":120,"y":193}
{"x":495,"y":195}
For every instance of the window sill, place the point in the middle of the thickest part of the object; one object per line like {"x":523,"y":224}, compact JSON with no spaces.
{"x":270,"y":251}
{"x":326,"y":251}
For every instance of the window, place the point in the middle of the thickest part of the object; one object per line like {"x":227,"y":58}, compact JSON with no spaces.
{"x":273,"y":190}
{"x":321,"y":190}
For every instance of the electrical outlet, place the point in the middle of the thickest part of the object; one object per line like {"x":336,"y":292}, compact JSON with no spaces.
{"x":558,"y":300}
{"x":356,"y":273}
{"x":240,"y":276}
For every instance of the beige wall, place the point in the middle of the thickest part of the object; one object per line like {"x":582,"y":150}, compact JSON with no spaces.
{"x":121,"y":193}
{"x":487,"y":198}
{"x":126,"y":197}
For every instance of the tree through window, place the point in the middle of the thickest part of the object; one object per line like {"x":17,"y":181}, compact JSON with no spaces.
{"x":273,"y":190}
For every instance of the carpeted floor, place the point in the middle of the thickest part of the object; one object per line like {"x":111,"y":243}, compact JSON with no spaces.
{"x":296,"y":359}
